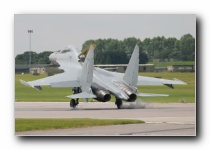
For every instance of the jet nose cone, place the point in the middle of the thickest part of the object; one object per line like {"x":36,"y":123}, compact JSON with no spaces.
{"x":52,"y":57}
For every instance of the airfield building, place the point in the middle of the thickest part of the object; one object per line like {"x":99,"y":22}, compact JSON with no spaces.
{"x":181,"y":68}
{"x":122,"y":67}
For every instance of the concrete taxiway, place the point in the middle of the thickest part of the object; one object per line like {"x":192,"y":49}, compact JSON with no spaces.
{"x":178,"y":119}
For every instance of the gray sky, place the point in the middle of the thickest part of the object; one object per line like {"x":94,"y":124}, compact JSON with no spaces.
{"x":54,"y":32}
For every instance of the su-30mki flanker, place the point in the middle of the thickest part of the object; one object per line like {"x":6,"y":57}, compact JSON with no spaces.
{"x":87,"y":81}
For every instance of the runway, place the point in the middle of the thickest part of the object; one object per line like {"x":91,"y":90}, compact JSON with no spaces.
{"x":171,"y":119}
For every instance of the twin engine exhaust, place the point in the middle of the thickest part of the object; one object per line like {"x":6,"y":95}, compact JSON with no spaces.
{"x":103,"y":95}
{"x":128,"y":90}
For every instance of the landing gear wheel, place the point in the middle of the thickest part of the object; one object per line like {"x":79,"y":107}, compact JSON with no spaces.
{"x":77,"y":101}
{"x":73,"y":103}
{"x":118,"y":102}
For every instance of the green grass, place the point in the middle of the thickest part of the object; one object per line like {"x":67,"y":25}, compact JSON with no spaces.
{"x":22,"y":124}
{"x":48,"y":94}
{"x":165,"y":64}
{"x":179,"y":92}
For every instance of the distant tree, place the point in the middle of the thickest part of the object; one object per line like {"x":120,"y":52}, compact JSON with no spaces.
{"x":162,"y":48}
{"x":118,"y":57}
{"x":108,"y":60}
{"x":112,"y":44}
{"x":129,"y":44}
{"x":41,"y":58}
{"x":187,"y":47}
{"x":24,"y":58}
{"x":114,"y":51}
{"x":176,"y":53}
{"x":143,"y":58}
{"x":148,"y":48}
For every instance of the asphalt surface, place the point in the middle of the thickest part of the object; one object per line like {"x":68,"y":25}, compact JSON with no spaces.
{"x":172,"y":119}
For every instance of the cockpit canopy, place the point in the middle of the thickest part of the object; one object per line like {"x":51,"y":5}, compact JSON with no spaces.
{"x":63,"y":51}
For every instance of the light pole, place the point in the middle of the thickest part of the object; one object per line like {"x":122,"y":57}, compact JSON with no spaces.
{"x":30,"y":31}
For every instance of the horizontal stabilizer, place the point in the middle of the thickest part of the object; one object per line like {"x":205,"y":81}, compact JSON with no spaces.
{"x":158,"y":81}
{"x":24,"y":83}
{"x":27,"y":84}
{"x":150,"y":94}
{"x":179,"y":81}
{"x":82,"y":95}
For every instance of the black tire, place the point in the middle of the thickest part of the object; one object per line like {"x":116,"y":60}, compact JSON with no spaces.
{"x":119,"y":106}
{"x":118,"y":102}
{"x":77,"y":101}
{"x":73,"y":103}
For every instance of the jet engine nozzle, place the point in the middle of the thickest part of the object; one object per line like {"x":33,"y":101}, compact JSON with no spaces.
{"x":132,"y":97}
{"x":128,"y":90}
{"x":103,"y":95}
{"x":130,"y":93}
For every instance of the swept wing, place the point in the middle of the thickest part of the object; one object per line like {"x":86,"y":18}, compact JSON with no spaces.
{"x":75,"y":75}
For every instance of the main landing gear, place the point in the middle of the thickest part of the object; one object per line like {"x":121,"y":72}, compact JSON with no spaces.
{"x":75,"y":102}
{"x":118,"y":102}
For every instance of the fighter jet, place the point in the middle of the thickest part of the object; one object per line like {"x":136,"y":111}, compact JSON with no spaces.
{"x":88,"y":81}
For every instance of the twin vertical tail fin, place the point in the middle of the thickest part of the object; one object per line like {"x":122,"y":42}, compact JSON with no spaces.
{"x":86,"y":76}
{"x":131,"y":74}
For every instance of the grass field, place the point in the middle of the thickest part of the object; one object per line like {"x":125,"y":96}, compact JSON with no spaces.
{"x":177,"y":94}
{"x":22,"y":124}
{"x":165,"y":64}
{"x":48,"y":94}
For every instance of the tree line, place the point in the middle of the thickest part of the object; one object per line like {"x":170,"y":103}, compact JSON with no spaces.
{"x":40,"y":58}
{"x":113,"y":51}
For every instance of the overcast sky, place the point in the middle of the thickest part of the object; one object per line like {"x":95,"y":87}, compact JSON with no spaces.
{"x":54,"y":32}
